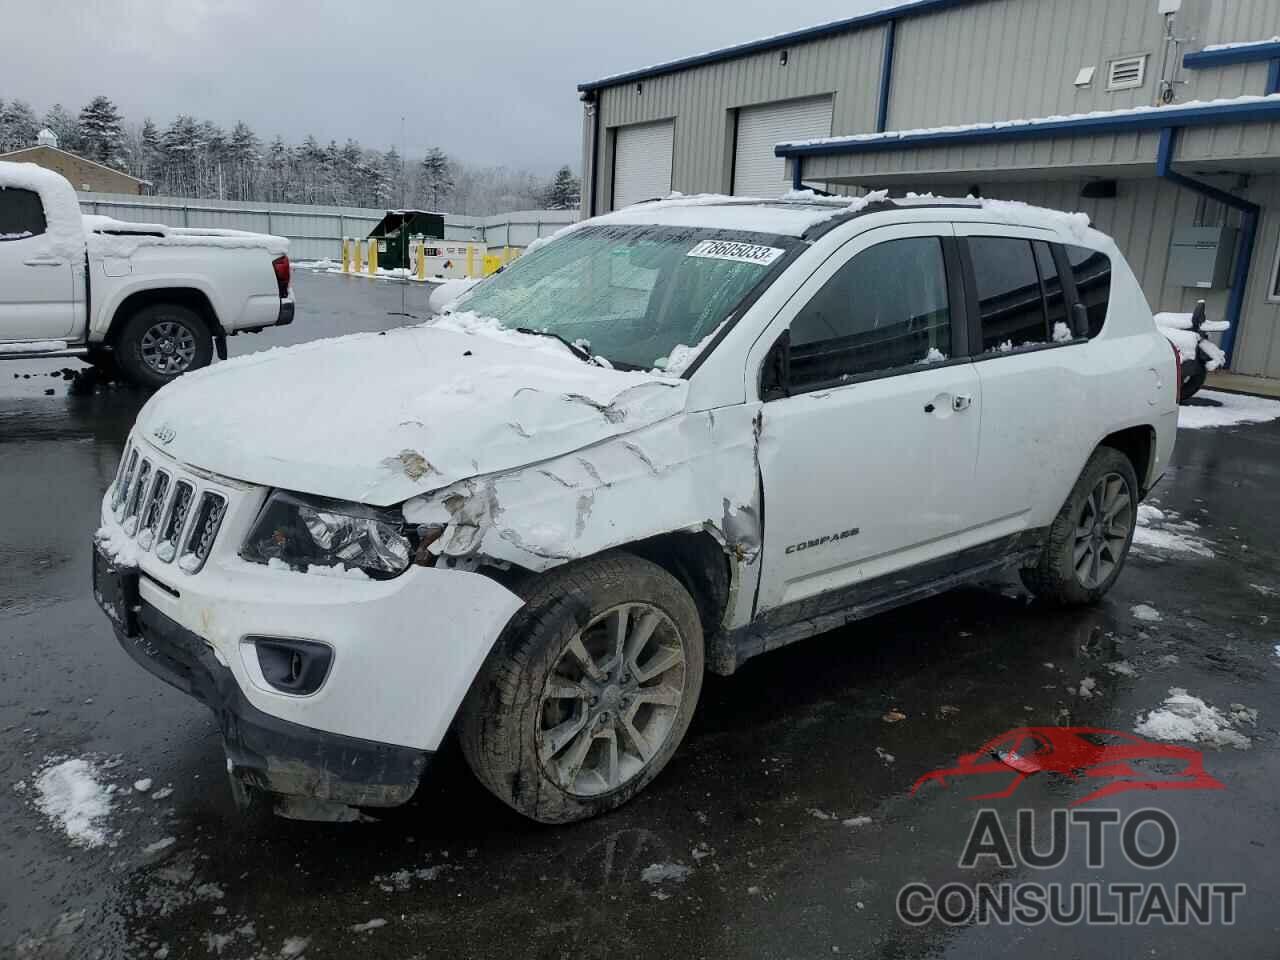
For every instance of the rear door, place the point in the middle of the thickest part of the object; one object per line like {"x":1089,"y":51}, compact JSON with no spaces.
{"x":868,"y":463}
{"x":36,"y":289}
{"x":642,"y":162}
{"x":1036,"y":425}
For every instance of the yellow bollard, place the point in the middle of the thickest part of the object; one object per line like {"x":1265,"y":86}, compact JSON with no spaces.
{"x":358,"y":247}
{"x":422,"y":260}
{"x":373,"y":257}
{"x":346,"y":255}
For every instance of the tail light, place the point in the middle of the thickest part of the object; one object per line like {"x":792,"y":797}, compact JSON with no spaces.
{"x":281,"y":267}
{"x":1177,"y":368}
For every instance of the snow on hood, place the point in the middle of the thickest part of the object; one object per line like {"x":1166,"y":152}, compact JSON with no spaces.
{"x":381,"y":417}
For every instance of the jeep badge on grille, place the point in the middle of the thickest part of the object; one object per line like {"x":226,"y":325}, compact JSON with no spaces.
{"x":164,"y":434}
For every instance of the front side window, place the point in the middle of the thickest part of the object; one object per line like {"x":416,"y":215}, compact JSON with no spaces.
{"x":1010,"y":306}
{"x":885,"y":309}
{"x":21,"y":214}
{"x":1092,"y":273}
{"x":632,"y":294}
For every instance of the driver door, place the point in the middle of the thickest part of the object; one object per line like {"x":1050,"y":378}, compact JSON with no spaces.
{"x":37,"y":290}
{"x":868,"y":459}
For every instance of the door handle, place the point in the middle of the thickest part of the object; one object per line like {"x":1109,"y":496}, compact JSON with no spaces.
{"x":961,"y":402}
{"x":43,"y":262}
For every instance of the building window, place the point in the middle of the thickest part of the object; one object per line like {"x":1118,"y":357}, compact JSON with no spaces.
{"x":1127,"y":73}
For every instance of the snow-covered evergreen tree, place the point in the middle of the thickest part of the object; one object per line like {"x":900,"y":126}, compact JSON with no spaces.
{"x":565,"y":191}
{"x":102,"y":133}
{"x":243,"y":156}
{"x":435,"y":178}
{"x":150,"y":152}
{"x":65,"y":127}
{"x":18,"y":126}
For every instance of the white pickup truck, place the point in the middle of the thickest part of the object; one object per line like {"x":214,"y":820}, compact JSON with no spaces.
{"x":147,"y":301}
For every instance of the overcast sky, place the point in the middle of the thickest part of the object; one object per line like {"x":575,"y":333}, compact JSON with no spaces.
{"x":489,"y":81}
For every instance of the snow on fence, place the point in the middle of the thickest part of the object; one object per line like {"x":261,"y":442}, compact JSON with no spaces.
{"x":315,"y":232}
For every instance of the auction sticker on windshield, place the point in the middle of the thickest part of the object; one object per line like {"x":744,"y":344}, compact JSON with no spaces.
{"x":741,"y":252}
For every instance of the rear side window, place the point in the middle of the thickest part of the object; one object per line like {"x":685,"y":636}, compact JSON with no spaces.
{"x":21,"y":214}
{"x":1092,"y":273}
{"x":885,"y":309}
{"x":1010,"y":306}
{"x":1055,"y":296}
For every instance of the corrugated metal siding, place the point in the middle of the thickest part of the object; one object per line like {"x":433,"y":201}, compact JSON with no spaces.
{"x":1233,"y":21}
{"x":701,"y":100}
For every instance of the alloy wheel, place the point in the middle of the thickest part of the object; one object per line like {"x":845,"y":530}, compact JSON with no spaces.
{"x":612,"y":700}
{"x":167,"y":347}
{"x":1102,"y":531}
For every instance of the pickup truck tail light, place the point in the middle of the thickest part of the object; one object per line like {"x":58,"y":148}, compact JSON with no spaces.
{"x":281,"y":267}
{"x":1177,"y":369}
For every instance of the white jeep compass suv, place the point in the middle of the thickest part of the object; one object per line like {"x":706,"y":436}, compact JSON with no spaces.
{"x":673,"y":438}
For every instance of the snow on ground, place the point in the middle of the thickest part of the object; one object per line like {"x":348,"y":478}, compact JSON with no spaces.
{"x":1146,"y":613}
{"x":75,"y":801}
{"x":663,"y":872}
{"x":373,"y":924}
{"x":1188,"y":718}
{"x":1162,"y":530}
{"x":1228,"y":410}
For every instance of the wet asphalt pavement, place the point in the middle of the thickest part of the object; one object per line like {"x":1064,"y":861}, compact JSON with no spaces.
{"x":741,"y":848}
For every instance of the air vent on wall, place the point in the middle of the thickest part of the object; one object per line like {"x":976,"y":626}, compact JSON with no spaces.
{"x":1127,"y":73}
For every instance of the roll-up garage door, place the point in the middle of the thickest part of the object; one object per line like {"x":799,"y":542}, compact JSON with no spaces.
{"x":642,"y":162}
{"x":756,"y":171}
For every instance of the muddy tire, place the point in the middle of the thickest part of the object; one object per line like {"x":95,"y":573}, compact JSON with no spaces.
{"x":161,"y":342}
{"x":589,"y":690}
{"x":1090,"y":537}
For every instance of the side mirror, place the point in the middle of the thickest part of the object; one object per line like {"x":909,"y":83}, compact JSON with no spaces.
{"x":775,"y":375}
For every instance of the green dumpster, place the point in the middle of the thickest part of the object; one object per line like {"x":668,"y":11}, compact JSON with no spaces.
{"x":394,"y":231}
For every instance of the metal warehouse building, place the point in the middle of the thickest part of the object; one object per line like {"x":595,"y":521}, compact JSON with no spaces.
{"x":1159,"y":118}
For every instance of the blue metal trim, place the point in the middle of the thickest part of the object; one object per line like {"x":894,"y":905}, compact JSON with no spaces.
{"x":1249,"y":217}
{"x":1273,"y":78}
{"x":1155,"y":119}
{"x":797,"y":175}
{"x":1207,"y":59}
{"x":914,"y":9}
{"x":886,"y":75}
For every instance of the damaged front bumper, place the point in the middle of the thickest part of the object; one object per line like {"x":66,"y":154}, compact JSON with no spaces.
{"x":265,"y":755}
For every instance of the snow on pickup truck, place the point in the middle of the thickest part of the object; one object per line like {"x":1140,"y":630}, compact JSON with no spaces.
{"x":148,"y":301}
{"x":669,"y":440}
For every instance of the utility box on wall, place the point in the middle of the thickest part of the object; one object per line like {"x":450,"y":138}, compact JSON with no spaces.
{"x":1201,"y":257}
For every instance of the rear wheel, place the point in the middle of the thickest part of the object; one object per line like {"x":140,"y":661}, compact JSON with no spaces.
{"x":588,"y":692}
{"x":1090,"y":538}
{"x":161,"y":342}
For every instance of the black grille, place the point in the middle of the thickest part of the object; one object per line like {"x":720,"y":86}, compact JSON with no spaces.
{"x":183,"y":493}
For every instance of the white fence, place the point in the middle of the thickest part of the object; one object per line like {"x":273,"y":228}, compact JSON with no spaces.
{"x":316,"y":232}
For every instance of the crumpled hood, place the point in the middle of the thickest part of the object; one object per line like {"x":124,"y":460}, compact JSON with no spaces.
{"x":382,"y":417}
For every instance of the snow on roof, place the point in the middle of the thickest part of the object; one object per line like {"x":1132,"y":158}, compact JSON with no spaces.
{"x":1214,"y":47}
{"x":892,"y":135}
{"x":790,"y":216}
{"x":63,"y":237}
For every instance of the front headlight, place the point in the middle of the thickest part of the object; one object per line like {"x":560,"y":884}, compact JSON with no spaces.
{"x":309,"y":531}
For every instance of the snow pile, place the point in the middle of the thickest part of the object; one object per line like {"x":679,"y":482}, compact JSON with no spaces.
{"x":1162,"y":530}
{"x":1182,"y":321}
{"x":117,"y":545}
{"x":1227,"y":410}
{"x":933,"y":356}
{"x":443,"y":297}
{"x":682,"y":356}
{"x":71,"y":796}
{"x":1062,"y":333}
{"x":1075,"y":225}
{"x":1188,"y":718}
{"x":64,"y":234}
{"x":664,"y":872}
{"x":15,"y":236}
{"x":1146,"y":613}
{"x":368,"y":925}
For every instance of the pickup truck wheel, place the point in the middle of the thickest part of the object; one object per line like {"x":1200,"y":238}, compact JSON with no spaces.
{"x":588,"y":692}
{"x":161,"y":342}
{"x":1090,"y":537}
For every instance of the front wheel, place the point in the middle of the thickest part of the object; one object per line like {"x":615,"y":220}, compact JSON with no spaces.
{"x":161,"y":342}
{"x":588,"y":692}
{"x":1090,"y":537}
